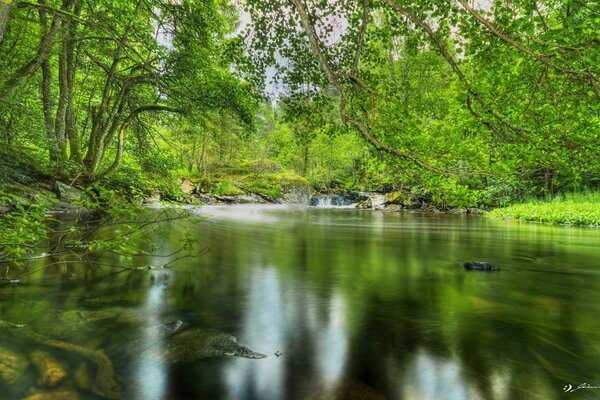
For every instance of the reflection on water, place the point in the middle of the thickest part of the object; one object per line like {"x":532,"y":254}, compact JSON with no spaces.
{"x":364,"y":305}
{"x":151,"y":377}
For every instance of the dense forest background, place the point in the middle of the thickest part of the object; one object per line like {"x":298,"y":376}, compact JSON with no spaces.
{"x":471,"y":103}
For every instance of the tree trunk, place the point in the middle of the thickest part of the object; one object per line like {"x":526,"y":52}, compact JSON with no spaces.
{"x":123,"y":131}
{"x":70,"y":117}
{"x":305,"y":161}
{"x":5,"y":6}
{"x":203,"y":158}
{"x":46,"y":92}
{"x":46,"y":43}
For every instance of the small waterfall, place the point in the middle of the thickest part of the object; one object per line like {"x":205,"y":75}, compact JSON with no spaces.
{"x":324,"y":201}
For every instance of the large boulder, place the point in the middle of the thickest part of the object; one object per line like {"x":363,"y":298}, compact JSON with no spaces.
{"x":68,"y":193}
{"x":187,"y":186}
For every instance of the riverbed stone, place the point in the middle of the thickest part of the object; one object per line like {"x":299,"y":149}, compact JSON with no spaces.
{"x":55,"y":395}
{"x":12,"y":365}
{"x":52,"y":372}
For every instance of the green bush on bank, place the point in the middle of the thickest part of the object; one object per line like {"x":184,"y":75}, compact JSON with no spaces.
{"x":571,"y":209}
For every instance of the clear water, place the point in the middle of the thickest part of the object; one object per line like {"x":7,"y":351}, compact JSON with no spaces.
{"x":360,"y":304}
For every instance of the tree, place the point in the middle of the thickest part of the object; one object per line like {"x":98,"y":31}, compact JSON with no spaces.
{"x":108,"y":68}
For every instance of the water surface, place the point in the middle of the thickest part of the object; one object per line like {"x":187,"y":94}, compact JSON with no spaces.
{"x":360,"y":304}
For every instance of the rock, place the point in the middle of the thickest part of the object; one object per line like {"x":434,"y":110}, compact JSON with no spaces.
{"x":68,"y":193}
{"x":479,"y":266}
{"x":240,"y":199}
{"x":12,"y":365}
{"x":154,"y":198}
{"x":297,"y":195}
{"x":375,"y":201}
{"x":51,"y":371}
{"x":393,"y":198}
{"x":187,"y":186}
{"x":70,"y":321}
{"x":196,"y":344}
{"x":58,"y":395}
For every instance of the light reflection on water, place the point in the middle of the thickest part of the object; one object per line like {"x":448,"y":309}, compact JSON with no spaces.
{"x":364,"y":305}
{"x":151,"y":377}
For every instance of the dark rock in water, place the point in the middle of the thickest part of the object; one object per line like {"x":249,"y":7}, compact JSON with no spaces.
{"x":479,"y":266}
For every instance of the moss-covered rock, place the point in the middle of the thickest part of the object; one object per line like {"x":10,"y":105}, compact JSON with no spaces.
{"x":51,"y":371}
{"x":12,"y":365}
{"x":279,"y":187}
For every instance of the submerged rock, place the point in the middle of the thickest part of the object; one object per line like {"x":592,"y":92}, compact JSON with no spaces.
{"x":51,"y":371}
{"x":58,"y":395}
{"x":12,"y":365}
{"x":196,"y":344}
{"x":479,"y":266}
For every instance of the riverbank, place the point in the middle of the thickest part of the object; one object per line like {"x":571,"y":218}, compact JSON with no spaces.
{"x":569,"y":209}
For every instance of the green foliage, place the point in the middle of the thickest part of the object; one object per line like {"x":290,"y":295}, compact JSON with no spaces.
{"x":115,"y":224}
{"x":273,"y":185}
{"x":226,"y":188}
{"x":23,"y":229}
{"x":570,"y":209}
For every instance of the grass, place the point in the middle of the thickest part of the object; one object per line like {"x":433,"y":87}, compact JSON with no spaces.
{"x":226,"y":188}
{"x":570,"y":209}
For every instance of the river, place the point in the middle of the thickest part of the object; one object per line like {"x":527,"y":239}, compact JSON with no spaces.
{"x":346,"y":304}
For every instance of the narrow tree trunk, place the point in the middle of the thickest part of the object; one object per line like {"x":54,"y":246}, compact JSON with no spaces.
{"x":192,"y":157}
{"x":305,"y":161}
{"x":122,"y":134}
{"x":5,"y":7}
{"x":44,"y":50}
{"x":70,"y":117}
{"x":46,"y":93}
{"x":203,"y":158}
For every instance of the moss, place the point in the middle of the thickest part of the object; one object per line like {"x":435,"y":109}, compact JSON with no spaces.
{"x":273,"y":185}
{"x":226,"y":188}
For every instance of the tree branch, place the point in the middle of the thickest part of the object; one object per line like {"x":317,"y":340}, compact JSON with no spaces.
{"x":333,"y":79}
{"x":123,"y":129}
{"x":585,"y":76}
{"x":446,"y":54}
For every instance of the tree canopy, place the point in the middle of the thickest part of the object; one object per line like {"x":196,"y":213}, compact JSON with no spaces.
{"x":475,"y":102}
